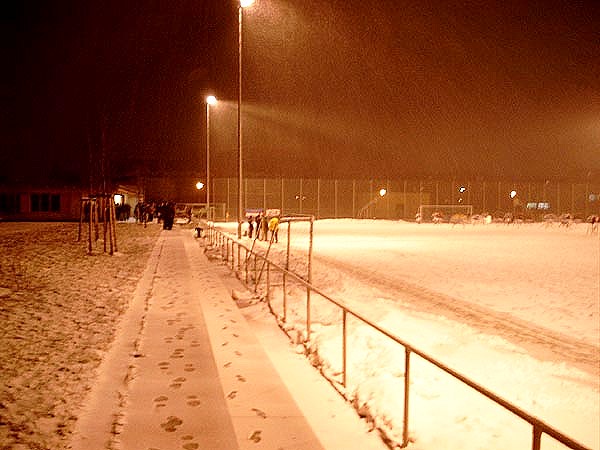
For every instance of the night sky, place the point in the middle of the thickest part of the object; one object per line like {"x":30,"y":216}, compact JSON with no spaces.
{"x":356,"y":88}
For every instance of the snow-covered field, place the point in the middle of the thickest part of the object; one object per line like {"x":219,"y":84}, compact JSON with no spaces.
{"x":58,"y":314}
{"x":514,"y":308}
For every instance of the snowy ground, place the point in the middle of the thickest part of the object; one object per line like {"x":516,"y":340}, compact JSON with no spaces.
{"x":514,"y":308}
{"x":58,"y":314}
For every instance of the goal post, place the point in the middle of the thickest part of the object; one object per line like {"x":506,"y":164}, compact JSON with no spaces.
{"x":427,"y":213}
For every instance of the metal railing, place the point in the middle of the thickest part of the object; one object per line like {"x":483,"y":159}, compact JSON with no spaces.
{"x":248,"y":262}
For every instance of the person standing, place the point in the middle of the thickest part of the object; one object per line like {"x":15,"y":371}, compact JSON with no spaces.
{"x":264,"y":225}
{"x":258,"y":220}
{"x":273,"y":227}
{"x":250,"y":226}
{"x":168,"y":216}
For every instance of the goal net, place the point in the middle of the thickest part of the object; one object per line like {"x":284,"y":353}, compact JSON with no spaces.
{"x":442,"y":213}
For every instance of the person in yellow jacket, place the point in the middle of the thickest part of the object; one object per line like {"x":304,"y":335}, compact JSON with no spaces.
{"x":273,"y":227}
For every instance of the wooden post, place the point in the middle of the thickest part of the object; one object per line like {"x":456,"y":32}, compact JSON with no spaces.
{"x":90,"y":227}
{"x":81,"y":216}
{"x":110,"y":230}
{"x":114,"y":222}
{"x":104,"y":221}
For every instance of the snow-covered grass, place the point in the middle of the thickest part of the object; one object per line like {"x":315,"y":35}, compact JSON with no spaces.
{"x":514,"y":308}
{"x":58,"y":313}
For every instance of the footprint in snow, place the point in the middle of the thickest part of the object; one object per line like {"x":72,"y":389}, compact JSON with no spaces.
{"x":255,"y":437}
{"x":260,"y":413}
{"x":171,"y":424}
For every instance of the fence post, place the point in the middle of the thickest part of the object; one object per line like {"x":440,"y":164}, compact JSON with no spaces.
{"x":300,"y":196}
{"x":483,"y":197}
{"x":573,"y":198}
{"x":587,"y":197}
{"x":498,"y":207}
{"x":318,"y":197}
{"x":264,"y":195}
{"x":387,"y":199}
{"x":282,"y":194}
{"x":406,"y":395}
{"x":405,"y":206}
{"x":335,"y":199}
{"x":354,"y":198}
{"x":344,"y":349}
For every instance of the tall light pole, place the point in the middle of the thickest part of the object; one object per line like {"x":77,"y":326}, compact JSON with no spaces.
{"x":210,"y":100}
{"x":243,"y":4}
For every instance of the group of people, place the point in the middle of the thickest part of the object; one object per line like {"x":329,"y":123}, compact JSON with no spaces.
{"x":163,"y":211}
{"x":263,"y":225}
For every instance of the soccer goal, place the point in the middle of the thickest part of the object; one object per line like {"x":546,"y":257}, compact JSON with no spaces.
{"x":442,"y":213}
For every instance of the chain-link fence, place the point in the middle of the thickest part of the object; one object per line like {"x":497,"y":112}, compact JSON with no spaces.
{"x":400,"y":199}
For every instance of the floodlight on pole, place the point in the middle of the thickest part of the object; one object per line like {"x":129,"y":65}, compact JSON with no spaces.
{"x":210,"y":100}
{"x":243,"y":4}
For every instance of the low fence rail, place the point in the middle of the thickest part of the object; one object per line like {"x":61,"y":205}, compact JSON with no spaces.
{"x":231,"y":252}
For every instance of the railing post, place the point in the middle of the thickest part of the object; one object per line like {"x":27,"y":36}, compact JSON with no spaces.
{"x":239,"y":254}
{"x":232,"y":257}
{"x":344,"y":349}
{"x":268,"y":283}
{"x":307,"y":314}
{"x":284,"y":297}
{"x":309,"y":278}
{"x":246,"y":265}
{"x":406,"y":395}
{"x":537,"y":438}
{"x":255,"y":275}
{"x":287,"y":267}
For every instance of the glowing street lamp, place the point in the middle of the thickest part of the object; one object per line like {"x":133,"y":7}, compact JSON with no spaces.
{"x":243,"y":4}
{"x":382,"y":192}
{"x":199,"y":185}
{"x":210,"y":100}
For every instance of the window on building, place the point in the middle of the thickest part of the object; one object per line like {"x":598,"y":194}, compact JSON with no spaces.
{"x":55,"y":203}
{"x":45,"y":202}
{"x":35,"y":202}
{"x":9,"y":203}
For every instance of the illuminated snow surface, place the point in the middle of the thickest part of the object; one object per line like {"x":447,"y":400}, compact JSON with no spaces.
{"x":513,"y":308}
